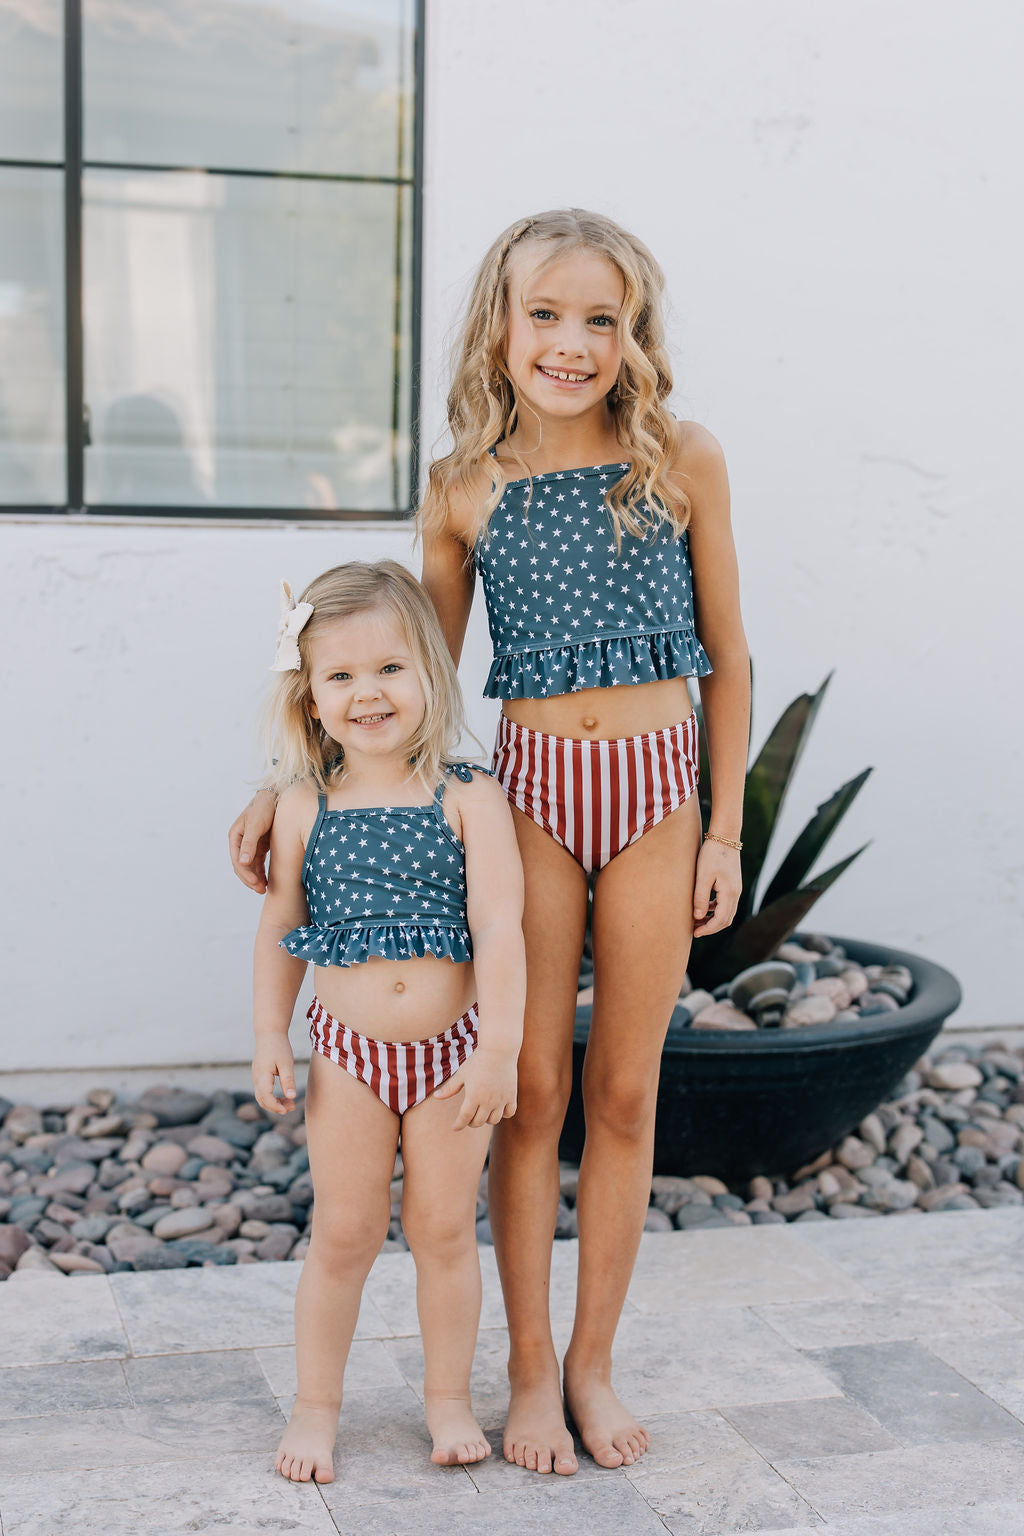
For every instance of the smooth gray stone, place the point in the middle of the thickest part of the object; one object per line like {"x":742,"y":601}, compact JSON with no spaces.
{"x":92,"y":1229}
{"x":970,"y":1160}
{"x":702,"y":1216}
{"x":918,"y":1398}
{"x":175,"y":1105}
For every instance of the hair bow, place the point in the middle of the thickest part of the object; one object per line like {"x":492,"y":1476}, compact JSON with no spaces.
{"x":294,"y":617}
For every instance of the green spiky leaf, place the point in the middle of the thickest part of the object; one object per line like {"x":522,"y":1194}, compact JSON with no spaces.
{"x":767,"y":782}
{"x":805,"y":851}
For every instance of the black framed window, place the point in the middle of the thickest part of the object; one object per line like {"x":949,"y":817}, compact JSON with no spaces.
{"x":209,"y":255}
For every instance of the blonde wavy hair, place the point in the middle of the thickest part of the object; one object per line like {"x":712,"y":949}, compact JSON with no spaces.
{"x":298,"y":747}
{"x":482,"y":407}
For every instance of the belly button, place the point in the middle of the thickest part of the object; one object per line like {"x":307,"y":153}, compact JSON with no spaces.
{"x":399,"y":986}
{"x":589,"y":723}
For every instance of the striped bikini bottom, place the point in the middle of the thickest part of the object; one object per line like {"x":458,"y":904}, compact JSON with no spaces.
{"x":402,"y":1073}
{"x":597,"y":797}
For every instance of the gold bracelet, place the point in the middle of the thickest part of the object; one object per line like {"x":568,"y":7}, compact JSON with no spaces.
{"x":728,"y":841}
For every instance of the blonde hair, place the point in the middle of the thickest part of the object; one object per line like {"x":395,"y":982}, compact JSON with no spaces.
{"x":298,"y":747}
{"x":482,"y":403}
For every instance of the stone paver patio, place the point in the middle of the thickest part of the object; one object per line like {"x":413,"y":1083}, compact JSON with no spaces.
{"x":855,"y":1378}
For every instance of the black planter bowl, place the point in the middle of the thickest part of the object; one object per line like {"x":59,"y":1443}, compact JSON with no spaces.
{"x":738,"y":1103}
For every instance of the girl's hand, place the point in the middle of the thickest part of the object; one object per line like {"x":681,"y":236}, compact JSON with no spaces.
{"x":487,"y":1082}
{"x":273,"y":1059}
{"x":717,"y":889}
{"x":249,"y":840}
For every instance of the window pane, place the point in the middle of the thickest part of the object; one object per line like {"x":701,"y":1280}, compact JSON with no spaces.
{"x":31,"y":80}
{"x":31,"y":338}
{"x":242,"y":342}
{"x":269,"y":85}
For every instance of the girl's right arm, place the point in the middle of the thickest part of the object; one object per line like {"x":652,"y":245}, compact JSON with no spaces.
{"x":277,"y":975}
{"x":249,"y":840}
{"x":448,"y":573}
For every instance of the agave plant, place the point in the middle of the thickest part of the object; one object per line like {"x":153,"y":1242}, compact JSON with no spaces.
{"x":758,"y":929}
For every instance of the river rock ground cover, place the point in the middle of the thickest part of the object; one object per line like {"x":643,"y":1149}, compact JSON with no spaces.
{"x":176,"y":1177}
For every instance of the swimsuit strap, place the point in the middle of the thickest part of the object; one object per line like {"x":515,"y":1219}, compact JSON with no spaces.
{"x":321,"y":812}
{"x":464,"y":773}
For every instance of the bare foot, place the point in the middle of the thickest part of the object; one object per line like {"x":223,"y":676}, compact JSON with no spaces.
{"x":535,"y":1434}
{"x":608,"y":1431}
{"x":458,"y":1438}
{"x":307,"y":1445}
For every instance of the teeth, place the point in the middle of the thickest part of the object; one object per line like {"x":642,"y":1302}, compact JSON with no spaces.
{"x":571,"y":378}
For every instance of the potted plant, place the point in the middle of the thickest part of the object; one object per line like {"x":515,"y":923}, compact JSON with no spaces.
{"x":747,"y":1088}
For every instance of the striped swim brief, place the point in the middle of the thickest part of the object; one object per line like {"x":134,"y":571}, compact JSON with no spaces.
{"x":402,"y":1073}
{"x":597,"y":797}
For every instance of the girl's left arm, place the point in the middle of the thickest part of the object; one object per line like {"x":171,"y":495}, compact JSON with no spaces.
{"x":494,"y":882}
{"x":725,"y":692}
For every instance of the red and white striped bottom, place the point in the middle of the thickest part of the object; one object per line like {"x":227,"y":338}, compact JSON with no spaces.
{"x":402,"y":1073}
{"x":597,"y":797}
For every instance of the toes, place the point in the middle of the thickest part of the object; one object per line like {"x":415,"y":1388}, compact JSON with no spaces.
{"x":324,"y":1473}
{"x":565,"y":1466}
{"x":626,"y":1448}
{"x":608,"y":1456}
{"x":544,"y":1460}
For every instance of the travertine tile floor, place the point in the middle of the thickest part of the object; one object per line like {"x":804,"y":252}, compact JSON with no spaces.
{"x":852,"y":1379}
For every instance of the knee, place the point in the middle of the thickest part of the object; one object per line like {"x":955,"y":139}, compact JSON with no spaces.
{"x":442,"y":1236}
{"x":622,"y":1108}
{"x":345,"y":1242}
{"x":543,"y":1099}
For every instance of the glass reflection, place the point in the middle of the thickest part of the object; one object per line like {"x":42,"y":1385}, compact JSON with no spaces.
{"x":32,"y":468}
{"x":244,"y":342}
{"x":319,"y":86}
{"x":31,"y":80}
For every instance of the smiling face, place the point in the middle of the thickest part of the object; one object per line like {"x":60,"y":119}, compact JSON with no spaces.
{"x":366,"y":689}
{"x":562,"y":345}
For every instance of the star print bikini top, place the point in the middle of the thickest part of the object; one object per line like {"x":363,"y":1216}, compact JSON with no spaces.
{"x":566,"y":610}
{"x":387,"y":881}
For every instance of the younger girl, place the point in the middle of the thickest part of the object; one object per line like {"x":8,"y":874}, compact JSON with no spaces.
{"x":394,"y":870}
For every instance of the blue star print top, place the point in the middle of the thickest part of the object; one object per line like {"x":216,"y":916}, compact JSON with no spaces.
{"x":566,"y":609}
{"x":387,"y":881}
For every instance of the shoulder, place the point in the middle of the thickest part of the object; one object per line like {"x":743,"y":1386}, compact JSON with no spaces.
{"x":466,"y":494}
{"x":700,"y":462}
{"x":482,"y":819}
{"x":471,"y":790}
{"x":698,"y":451}
{"x":297,"y":807}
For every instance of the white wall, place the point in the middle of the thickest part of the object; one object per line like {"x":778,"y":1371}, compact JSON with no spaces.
{"x":834,"y":195}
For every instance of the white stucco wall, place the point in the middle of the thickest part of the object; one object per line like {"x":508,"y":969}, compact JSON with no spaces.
{"x":835,"y":196}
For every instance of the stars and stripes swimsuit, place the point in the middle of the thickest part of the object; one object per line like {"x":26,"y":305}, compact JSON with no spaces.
{"x":569,"y":610}
{"x":387,"y":882}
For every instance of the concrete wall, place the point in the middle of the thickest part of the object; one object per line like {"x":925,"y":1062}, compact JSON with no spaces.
{"x":835,"y":196}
